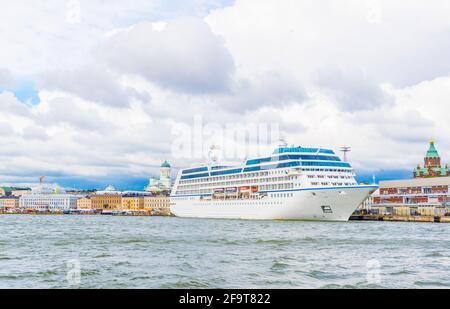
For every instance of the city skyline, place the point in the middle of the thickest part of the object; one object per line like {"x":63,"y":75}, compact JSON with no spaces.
{"x":141,"y":184}
{"x":332,"y":76}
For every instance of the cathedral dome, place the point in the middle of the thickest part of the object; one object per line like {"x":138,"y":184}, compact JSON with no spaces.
{"x":165,"y":164}
{"x":110,"y":189}
{"x":432,"y":152}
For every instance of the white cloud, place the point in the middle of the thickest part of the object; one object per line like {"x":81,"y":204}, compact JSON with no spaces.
{"x":183,"y":56}
{"x":11,"y":106}
{"x":307,"y":36}
{"x":6,"y":78}
{"x":35,"y":133}
{"x":93,"y":83}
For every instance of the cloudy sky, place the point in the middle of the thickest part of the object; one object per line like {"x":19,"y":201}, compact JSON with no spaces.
{"x":90,"y":91}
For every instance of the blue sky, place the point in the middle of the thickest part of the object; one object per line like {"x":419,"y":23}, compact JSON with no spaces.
{"x":25,"y":92}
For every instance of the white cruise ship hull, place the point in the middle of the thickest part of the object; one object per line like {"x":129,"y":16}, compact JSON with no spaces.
{"x":325,"y":204}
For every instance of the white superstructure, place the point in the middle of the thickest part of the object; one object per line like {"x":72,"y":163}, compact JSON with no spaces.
{"x":294,"y":183}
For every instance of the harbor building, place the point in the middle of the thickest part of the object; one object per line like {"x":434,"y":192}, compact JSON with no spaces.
{"x":109,"y":199}
{"x":9,"y":202}
{"x":163,"y":184}
{"x":21,"y":191}
{"x":157,"y":204}
{"x":14,"y":191}
{"x":132,"y":202}
{"x":48,"y":199}
{"x":427,"y":194}
{"x":84,"y":203}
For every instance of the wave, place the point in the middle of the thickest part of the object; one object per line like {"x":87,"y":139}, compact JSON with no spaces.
{"x":191,"y":284}
{"x":279,"y":265}
{"x":436,"y":284}
{"x":279,"y":242}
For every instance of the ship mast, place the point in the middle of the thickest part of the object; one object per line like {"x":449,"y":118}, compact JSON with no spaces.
{"x":282,"y":143}
{"x":345,"y":150}
{"x":213,"y":154}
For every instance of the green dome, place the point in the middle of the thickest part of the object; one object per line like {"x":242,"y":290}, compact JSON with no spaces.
{"x":165,"y":164}
{"x":432,"y":152}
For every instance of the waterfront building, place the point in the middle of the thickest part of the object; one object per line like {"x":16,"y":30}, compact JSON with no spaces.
{"x":21,"y":192}
{"x":418,"y":196}
{"x":427,"y":194}
{"x":108,"y":199}
{"x":14,"y":191}
{"x":47,"y":198}
{"x":157,"y":204}
{"x":84,"y":203}
{"x":163,"y":184}
{"x":81,"y":192}
{"x":6,"y":191}
{"x":106,"y":202}
{"x":432,"y":165}
{"x":132,"y":202}
{"x":9,"y":202}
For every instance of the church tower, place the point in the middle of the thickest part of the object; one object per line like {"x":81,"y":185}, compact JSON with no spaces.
{"x":432,"y":158}
{"x":165,"y":172}
{"x":432,"y":165}
{"x":163,"y":184}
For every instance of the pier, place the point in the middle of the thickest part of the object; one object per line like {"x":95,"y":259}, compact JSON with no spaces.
{"x":399,"y":218}
{"x":63,"y":213}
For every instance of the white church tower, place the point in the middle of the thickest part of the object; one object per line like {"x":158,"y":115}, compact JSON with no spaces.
{"x":163,"y":184}
{"x":164,"y":177}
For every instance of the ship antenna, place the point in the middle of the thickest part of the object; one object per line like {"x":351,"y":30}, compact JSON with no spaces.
{"x":345,"y":150}
{"x":282,"y":143}
{"x":213,"y":155}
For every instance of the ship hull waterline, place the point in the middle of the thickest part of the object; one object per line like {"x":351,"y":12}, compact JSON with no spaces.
{"x":331,"y":204}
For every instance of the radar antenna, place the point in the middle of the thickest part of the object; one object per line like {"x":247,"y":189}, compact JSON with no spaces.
{"x":282,"y":143}
{"x":345,"y":150}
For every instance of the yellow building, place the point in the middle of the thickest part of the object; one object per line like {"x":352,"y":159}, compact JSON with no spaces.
{"x":402,"y":211}
{"x":157,"y":204}
{"x":433,"y":211}
{"x":106,"y":201}
{"x":84,"y":203}
{"x":379,"y":210}
{"x":10,"y":202}
{"x":130,"y":202}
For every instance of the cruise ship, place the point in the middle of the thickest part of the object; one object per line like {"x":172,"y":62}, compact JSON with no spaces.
{"x":294,"y":183}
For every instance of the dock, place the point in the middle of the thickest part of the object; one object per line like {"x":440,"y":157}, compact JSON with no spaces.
{"x":398,"y":218}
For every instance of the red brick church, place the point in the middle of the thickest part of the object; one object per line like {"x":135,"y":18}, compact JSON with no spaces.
{"x":432,"y":166}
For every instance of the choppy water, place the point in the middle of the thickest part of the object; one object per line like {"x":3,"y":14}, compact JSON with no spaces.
{"x":142,"y":252}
